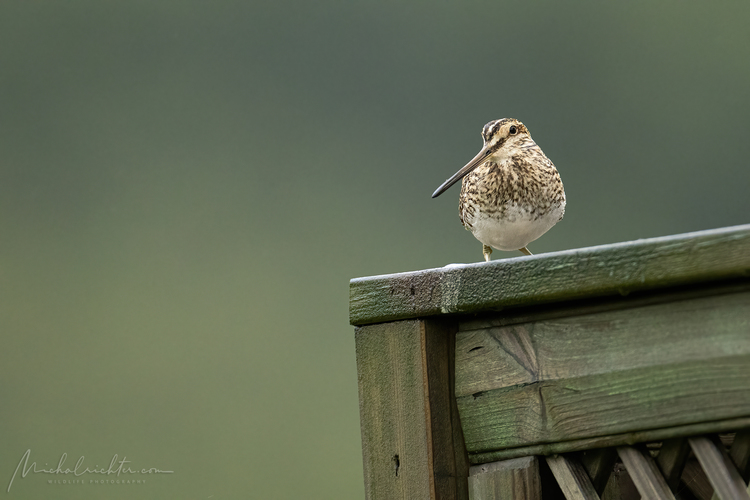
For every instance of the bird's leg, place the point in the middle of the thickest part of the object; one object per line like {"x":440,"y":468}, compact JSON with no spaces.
{"x":487,"y":251}
{"x":525,"y":251}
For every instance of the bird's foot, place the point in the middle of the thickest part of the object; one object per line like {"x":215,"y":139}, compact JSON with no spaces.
{"x":486,"y":251}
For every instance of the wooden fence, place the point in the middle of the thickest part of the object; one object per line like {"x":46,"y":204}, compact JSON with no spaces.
{"x":614,"y":372}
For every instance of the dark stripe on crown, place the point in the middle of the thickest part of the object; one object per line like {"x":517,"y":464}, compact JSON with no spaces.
{"x":491,"y":128}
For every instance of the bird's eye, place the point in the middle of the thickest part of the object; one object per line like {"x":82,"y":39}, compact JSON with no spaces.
{"x":513,"y":130}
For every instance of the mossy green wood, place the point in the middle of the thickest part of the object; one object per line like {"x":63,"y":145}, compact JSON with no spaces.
{"x":630,"y":438}
{"x":607,"y":373}
{"x":573,"y":274}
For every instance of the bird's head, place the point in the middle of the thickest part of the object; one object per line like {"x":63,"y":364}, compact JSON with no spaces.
{"x":502,"y":139}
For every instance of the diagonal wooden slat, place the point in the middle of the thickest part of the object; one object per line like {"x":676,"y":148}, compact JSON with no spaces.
{"x":721,"y":472}
{"x":671,"y":460}
{"x":694,"y":480}
{"x":645,"y":474}
{"x":740,"y":453}
{"x":572,"y":478}
{"x":599,"y":465}
{"x":620,"y":485}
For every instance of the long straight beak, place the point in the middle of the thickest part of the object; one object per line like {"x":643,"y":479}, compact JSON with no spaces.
{"x":474,"y":163}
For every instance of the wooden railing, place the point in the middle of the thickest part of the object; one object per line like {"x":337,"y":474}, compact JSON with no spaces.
{"x":619,"y":371}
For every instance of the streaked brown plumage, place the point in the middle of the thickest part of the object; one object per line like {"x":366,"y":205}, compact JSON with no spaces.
{"x":511,"y":192}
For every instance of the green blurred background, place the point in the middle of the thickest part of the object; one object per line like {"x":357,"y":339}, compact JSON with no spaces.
{"x":187,"y":187}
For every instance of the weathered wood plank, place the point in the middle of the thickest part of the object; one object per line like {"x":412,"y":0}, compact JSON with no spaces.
{"x":411,"y":441}
{"x":561,"y":310}
{"x":627,"y":438}
{"x":572,"y":478}
{"x":607,"y":373}
{"x":607,"y":341}
{"x":449,"y":457}
{"x":516,"y":479}
{"x":645,"y":474}
{"x":721,"y":472}
{"x":620,"y":268}
{"x":620,"y":402}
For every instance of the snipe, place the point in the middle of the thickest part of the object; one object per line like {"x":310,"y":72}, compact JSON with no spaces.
{"x":511,"y":192}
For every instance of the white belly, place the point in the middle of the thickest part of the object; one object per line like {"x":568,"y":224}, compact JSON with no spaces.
{"x":516,"y":229}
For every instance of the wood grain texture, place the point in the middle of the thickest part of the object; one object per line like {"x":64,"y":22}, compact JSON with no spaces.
{"x":645,"y":474}
{"x":516,"y":479}
{"x":721,"y":472}
{"x":573,"y":274}
{"x":411,"y":437}
{"x":627,"y":438}
{"x":572,"y":478}
{"x":606,"y":373}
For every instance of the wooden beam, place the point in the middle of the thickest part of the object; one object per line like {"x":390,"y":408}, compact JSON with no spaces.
{"x":612,"y":372}
{"x":572,"y":478}
{"x":721,"y":472}
{"x":627,"y":438}
{"x":645,"y":474}
{"x":516,"y":479}
{"x":618,"y":269}
{"x":411,"y":435}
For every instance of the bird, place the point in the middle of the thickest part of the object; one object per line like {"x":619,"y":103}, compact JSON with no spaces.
{"x":511,"y":193}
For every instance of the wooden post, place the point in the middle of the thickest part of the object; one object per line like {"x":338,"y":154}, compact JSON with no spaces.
{"x":411,"y":434}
